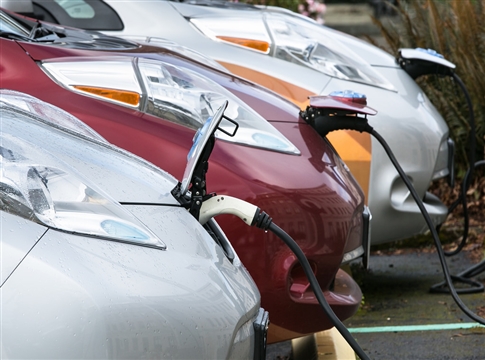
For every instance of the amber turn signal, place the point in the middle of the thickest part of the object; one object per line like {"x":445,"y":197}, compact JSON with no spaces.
{"x":259,"y":45}
{"x":126,"y":97}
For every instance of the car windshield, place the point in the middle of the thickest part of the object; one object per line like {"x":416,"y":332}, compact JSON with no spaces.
{"x":7,"y":25}
{"x":37,"y":31}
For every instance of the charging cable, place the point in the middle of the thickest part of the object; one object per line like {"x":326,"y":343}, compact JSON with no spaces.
{"x":418,"y":62}
{"x":474,"y":270}
{"x":434,"y":233}
{"x":334,"y":117}
{"x":253,"y":216}
{"x":469,"y":174}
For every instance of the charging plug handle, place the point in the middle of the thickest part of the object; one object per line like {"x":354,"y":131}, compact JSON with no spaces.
{"x":416,"y":68}
{"x":223,"y":204}
{"x":418,"y":62}
{"x":253,"y":216}
{"x":325,"y":121}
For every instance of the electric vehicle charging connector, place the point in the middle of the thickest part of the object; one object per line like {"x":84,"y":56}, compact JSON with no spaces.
{"x":204,"y":206}
{"x":253,"y":216}
{"x":357,"y":120}
{"x":418,"y":62}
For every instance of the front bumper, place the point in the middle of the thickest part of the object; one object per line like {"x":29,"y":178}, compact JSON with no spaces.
{"x":344,"y":298}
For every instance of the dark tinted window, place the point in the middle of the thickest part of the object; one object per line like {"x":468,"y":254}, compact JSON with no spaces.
{"x":83,"y":14}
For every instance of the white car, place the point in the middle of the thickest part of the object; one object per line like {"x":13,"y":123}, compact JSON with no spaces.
{"x":99,"y":260}
{"x":297,"y":57}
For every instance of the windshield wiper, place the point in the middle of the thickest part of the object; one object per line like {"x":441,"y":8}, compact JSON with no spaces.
{"x":14,"y":36}
{"x":42,"y":33}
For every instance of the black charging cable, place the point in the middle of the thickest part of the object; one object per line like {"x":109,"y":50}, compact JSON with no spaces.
{"x":464,"y":276}
{"x":253,"y":216}
{"x":465,"y":185}
{"x":327,"y":119}
{"x":422,"y":208}
{"x":263,"y":221}
{"x":416,"y":66}
{"x":448,"y":277}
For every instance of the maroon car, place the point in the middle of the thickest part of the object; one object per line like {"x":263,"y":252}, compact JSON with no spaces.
{"x":150,"y":101}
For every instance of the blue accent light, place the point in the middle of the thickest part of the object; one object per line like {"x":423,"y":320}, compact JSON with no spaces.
{"x":431,"y":52}
{"x":269,"y":140}
{"x":348,"y":94}
{"x":123,"y":231}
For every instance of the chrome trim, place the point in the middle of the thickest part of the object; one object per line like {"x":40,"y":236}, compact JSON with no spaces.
{"x":354,"y":254}
{"x":366,"y":232}
{"x":364,"y":249}
{"x":451,"y":162}
{"x":260,"y":325}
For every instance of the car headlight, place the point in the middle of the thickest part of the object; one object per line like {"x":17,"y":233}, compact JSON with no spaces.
{"x":166,"y":91}
{"x":444,"y":162}
{"x":48,"y":113}
{"x":40,"y":188}
{"x":293,"y":39}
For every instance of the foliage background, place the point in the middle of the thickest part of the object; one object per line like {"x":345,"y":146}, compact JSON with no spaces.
{"x":455,"y":29}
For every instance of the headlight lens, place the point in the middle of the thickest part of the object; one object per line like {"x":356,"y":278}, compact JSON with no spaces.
{"x":249,"y":32}
{"x":58,"y":197}
{"x":442,"y":167}
{"x":49,"y":113}
{"x":166,"y":91}
{"x":292,"y":39}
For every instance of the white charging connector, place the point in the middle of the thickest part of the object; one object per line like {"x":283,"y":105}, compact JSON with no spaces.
{"x":253,"y":216}
{"x":223,"y":204}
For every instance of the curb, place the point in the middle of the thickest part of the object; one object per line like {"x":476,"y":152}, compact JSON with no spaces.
{"x":324,"y":345}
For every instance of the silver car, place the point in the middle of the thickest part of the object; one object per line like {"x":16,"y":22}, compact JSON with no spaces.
{"x":99,"y":260}
{"x":297,"y":57}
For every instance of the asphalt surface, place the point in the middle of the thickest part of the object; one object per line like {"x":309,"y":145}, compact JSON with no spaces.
{"x":398,"y":305}
{"x":279,"y":351}
{"x":400,"y":317}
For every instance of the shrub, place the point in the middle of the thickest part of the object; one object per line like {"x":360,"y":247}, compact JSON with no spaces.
{"x":455,"y":29}
{"x":311,"y":8}
{"x":287,"y":4}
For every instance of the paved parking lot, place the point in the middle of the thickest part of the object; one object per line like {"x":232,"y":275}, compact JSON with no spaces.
{"x":401,"y":319}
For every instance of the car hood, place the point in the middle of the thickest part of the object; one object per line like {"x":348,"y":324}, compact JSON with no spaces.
{"x":370,"y":53}
{"x":77,"y":281}
{"x":53,"y":136}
